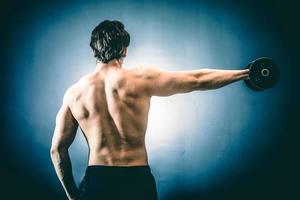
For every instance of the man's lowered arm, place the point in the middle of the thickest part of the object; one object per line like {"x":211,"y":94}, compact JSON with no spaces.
{"x":64,"y":134}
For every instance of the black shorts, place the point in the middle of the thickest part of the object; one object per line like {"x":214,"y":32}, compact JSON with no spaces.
{"x":118,"y":183}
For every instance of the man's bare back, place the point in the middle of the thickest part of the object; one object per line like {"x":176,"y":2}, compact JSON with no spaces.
{"x":112,"y":116}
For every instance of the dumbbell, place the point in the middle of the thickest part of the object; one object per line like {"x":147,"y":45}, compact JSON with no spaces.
{"x":263,"y":74}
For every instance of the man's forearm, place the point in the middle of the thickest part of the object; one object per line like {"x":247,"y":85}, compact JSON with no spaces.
{"x":213,"y":78}
{"x":63,"y":168}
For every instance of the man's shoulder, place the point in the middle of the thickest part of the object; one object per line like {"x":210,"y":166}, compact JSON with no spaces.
{"x":76,"y":88}
{"x":70,"y":92}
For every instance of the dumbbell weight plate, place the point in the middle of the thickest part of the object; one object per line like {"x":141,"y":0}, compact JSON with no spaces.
{"x":264,"y":74}
{"x":248,"y":82}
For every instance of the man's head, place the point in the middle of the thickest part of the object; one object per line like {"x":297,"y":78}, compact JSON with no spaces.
{"x":109,"y":41}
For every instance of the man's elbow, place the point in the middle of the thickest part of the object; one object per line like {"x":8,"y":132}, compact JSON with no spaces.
{"x":57,"y":149}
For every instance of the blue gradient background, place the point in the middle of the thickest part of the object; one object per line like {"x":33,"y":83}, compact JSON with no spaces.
{"x":198,"y":143}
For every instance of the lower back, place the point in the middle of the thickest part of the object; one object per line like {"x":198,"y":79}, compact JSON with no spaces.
{"x":124,"y":157}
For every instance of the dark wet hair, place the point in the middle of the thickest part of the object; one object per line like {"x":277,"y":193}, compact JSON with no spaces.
{"x":109,"y":40}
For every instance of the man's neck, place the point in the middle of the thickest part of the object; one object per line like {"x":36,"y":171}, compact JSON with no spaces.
{"x":113,"y":63}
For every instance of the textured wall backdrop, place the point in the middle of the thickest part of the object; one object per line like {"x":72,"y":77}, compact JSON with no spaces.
{"x":200,"y":144}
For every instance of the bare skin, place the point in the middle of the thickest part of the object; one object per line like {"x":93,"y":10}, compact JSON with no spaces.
{"x":111,"y":106}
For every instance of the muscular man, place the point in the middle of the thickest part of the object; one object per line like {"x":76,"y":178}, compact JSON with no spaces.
{"x":111,"y":107}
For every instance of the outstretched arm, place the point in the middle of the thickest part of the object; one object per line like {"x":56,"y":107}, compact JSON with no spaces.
{"x":64,"y":134}
{"x":157,"y":82}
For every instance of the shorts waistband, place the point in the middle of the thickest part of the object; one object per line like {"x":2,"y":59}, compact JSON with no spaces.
{"x":118,"y":169}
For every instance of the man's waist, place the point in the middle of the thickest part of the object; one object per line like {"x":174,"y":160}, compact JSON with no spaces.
{"x":132,"y":157}
{"x":96,"y":169}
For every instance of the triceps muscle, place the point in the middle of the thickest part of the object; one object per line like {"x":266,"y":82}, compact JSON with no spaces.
{"x":64,"y":134}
